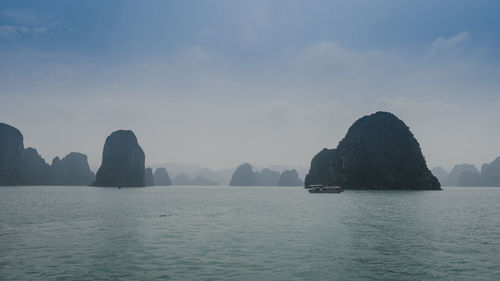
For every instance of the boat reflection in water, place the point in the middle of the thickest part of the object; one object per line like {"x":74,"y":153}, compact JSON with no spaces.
{"x":319,"y":188}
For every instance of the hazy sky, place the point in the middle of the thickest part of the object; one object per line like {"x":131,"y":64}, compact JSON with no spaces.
{"x":267,"y":82}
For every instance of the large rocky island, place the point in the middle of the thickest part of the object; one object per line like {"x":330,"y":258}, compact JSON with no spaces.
{"x":378,"y":152}
{"x":122,"y":161}
{"x":24,"y":166}
{"x":11,"y":155}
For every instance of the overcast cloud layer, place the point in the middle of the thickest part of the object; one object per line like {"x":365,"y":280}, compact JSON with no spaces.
{"x":267,"y":82}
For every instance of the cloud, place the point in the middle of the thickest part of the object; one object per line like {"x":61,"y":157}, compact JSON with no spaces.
{"x":40,"y":29}
{"x":12,"y":30}
{"x":446,"y":67}
{"x":23,"y":17}
{"x":21,"y":22}
{"x":447,"y":46}
{"x":283,"y":110}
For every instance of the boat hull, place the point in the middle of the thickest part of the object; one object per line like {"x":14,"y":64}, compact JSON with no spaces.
{"x":326,"y":190}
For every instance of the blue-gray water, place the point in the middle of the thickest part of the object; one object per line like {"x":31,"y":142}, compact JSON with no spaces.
{"x":248,"y":233}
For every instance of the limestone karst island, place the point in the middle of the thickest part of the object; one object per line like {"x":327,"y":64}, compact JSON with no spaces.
{"x":122,"y":162}
{"x":378,"y":152}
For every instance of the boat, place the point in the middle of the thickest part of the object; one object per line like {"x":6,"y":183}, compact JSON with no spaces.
{"x":319,"y":188}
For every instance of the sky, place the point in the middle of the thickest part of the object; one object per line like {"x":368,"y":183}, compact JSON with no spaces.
{"x":219,"y":83}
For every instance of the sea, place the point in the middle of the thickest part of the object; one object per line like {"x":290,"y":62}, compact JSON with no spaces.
{"x":248,"y":233}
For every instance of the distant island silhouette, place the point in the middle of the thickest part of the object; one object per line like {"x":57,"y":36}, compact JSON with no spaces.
{"x":469,"y":175}
{"x":161,"y":177}
{"x":289,"y":178}
{"x":185,"y":180}
{"x":245,"y":176}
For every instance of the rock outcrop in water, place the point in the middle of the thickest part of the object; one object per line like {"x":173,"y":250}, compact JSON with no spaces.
{"x":378,"y":152}
{"x":148,"y":177}
{"x":490,"y":173}
{"x":161,"y":177}
{"x":468,"y":178}
{"x":244,"y":176}
{"x":35,"y":171}
{"x":290,"y":178}
{"x":267,"y":177}
{"x":11,"y":154}
{"x":122,"y":161}
{"x":72,"y":169}
{"x":322,"y":168}
{"x":440,"y":173}
{"x":454,"y":176}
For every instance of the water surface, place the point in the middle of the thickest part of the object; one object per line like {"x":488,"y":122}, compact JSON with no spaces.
{"x":248,"y":233}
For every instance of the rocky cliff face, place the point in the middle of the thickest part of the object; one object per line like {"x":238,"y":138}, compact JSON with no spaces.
{"x":148,"y":177}
{"x":73,"y":169}
{"x":11,"y":153}
{"x":440,"y":173}
{"x":35,"y":171}
{"x":289,"y":178}
{"x":323,"y":168}
{"x":468,"y":178}
{"x":267,"y":177}
{"x":378,"y":152}
{"x":161,"y":177}
{"x":244,"y":176}
{"x":122,"y":161}
{"x":454,"y":176}
{"x":490,"y":173}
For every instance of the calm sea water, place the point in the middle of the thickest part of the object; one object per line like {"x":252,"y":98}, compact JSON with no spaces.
{"x":248,"y":233}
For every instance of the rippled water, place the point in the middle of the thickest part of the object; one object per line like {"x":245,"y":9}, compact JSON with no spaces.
{"x":248,"y":233}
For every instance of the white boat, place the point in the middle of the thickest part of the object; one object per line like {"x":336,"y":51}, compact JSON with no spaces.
{"x":319,"y":188}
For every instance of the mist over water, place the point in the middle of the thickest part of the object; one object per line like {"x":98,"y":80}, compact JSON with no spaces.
{"x":190,"y":93}
{"x":247,"y":233}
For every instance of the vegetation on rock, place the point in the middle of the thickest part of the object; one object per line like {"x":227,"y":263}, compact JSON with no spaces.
{"x":378,"y":152}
